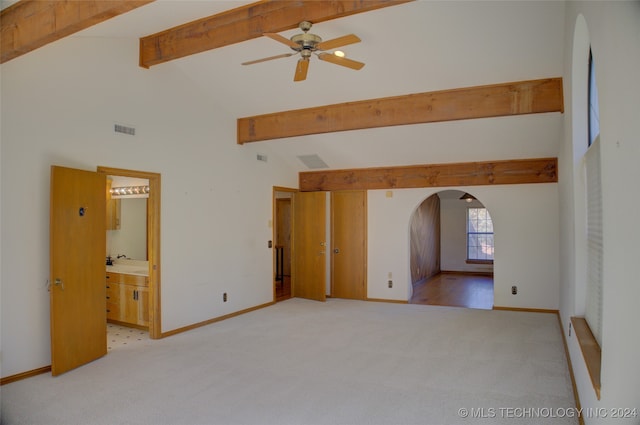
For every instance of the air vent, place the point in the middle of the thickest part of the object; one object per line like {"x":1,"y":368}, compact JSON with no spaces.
{"x":313,"y":161}
{"x":261,"y":157}
{"x":119,"y":128}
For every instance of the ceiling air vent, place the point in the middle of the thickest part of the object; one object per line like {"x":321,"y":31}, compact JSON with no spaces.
{"x":261,"y":157}
{"x":119,"y":128}
{"x":313,"y":161}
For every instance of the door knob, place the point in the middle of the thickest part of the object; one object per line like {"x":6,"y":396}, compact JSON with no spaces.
{"x":336,"y":251}
{"x":59,"y":282}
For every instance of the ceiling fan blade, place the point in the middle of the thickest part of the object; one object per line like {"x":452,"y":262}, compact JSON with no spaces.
{"x":338,"y":42}
{"x":281,"y":39}
{"x":301,"y":69}
{"x":285,"y":55}
{"x":349,"y":63}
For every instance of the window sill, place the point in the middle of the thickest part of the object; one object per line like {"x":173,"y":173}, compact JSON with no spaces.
{"x":479,"y":261}
{"x":590,"y":351}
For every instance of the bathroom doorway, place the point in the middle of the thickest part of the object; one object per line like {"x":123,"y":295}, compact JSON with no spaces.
{"x":147,"y":298}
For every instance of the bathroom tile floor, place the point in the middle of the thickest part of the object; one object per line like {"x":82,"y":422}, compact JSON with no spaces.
{"x":122,"y":336}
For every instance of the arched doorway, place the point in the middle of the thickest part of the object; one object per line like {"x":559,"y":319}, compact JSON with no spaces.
{"x":452,"y":251}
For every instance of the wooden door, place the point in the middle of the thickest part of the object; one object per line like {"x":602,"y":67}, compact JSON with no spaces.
{"x":77,"y":268}
{"x":348,"y":244}
{"x":309,"y":246}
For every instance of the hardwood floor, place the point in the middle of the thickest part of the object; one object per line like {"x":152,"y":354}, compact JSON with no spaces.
{"x":448,"y":289}
{"x":457,"y":290}
{"x":283,"y":289}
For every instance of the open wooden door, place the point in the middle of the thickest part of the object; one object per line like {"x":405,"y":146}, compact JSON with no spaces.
{"x":77,"y":268}
{"x":348,"y":240}
{"x":309,"y":246}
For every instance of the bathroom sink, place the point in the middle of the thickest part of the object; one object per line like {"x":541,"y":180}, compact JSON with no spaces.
{"x":135,"y":269}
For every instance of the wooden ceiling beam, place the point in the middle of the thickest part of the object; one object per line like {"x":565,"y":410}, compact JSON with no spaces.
{"x":515,"y":98}
{"x":30,"y":24}
{"x":245,"y":23}
{"x":517,"y":171}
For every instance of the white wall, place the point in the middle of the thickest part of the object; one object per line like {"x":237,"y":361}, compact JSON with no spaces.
{"x":526,"y":239}
{"x":59,"y":105}
{"x":613,"y":30}
{"x":453,"y":241}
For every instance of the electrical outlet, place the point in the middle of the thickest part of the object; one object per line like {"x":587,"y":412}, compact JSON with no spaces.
{"x":514,"y":290}
{"x":391,"y":284}
{"x":224,"y":297}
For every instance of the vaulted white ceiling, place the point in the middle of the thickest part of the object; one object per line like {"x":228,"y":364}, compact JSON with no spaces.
{"x":409,"y":48}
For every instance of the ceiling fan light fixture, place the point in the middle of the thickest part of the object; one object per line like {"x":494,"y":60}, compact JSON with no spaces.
{"x":339,"y":53}
{"x":467,"y":197}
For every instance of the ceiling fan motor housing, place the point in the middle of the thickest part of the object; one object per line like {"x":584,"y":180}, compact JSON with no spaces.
{"x":306,"y":41}
{"x":306,"y":44}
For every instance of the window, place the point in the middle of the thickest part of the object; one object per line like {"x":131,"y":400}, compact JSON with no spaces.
{"x":593,"y":311}
{"x":594,"y":112}
{"x":479,"y":235}
{"x":588,"y":189}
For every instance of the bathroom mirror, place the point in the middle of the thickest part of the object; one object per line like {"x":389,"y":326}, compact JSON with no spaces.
{"x":130,"y":240}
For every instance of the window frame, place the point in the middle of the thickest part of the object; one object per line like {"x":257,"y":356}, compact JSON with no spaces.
{"x":470,"y":260}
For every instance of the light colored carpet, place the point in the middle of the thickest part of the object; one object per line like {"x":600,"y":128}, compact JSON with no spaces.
{"x":305,"y":362}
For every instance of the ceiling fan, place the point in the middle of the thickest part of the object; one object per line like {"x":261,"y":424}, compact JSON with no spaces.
{"x":306,"y":44}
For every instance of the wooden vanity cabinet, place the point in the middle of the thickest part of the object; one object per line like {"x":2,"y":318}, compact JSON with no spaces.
{"x":128,"y":298}
{"x":113,"y":299}
{"x":134,"y":304}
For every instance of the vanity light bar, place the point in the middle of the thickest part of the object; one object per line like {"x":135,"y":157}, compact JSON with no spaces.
{"x":130,"y":190}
